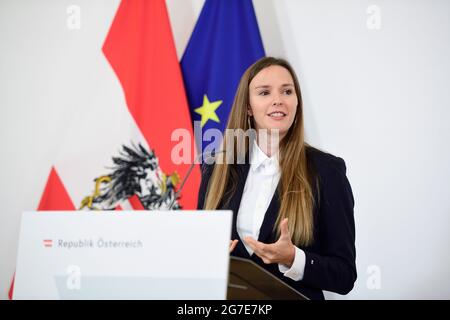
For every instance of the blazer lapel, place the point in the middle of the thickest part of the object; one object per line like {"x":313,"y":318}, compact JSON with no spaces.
{"x":270,"y":218}
{"x":235,"y":202}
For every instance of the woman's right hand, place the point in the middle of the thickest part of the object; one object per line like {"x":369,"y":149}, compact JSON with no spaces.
{"x":233,"y":244}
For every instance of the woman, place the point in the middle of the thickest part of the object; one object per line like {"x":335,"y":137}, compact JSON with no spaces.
{"x":292,"y":204}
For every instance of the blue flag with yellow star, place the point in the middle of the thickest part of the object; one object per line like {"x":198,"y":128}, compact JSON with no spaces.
{"x":224,"y":43}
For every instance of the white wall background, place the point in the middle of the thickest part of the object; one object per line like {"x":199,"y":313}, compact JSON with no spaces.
{"x":379,"y":98}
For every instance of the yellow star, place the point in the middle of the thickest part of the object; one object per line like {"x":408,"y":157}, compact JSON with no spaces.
{"x":208,"y":110}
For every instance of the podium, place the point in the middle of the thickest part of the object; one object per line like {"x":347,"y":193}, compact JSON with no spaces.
{"x":123,"y":255}
{"x":249,"y":281}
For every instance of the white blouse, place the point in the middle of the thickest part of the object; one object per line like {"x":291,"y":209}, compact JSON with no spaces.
{"x":260,"y":186}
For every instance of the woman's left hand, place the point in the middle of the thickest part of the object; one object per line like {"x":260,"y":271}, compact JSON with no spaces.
{"x":282,"y":251}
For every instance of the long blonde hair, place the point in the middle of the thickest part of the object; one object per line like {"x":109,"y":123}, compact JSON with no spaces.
{"x":296,"y":186}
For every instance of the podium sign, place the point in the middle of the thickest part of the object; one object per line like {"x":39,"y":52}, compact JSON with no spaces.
{"x":123,"y":255}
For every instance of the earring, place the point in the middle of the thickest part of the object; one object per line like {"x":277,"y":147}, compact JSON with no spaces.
{"x":249,"y":122}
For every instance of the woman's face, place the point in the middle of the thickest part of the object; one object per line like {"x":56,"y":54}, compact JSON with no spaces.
{"x":273,"y":100}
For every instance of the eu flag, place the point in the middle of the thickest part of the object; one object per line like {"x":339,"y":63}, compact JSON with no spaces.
{"x":224,"y":43}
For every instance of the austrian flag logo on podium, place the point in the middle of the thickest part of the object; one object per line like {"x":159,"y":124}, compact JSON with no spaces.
{"x":48,"y":243}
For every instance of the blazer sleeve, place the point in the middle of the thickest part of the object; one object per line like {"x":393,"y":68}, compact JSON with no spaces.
{"x":334,"y":269}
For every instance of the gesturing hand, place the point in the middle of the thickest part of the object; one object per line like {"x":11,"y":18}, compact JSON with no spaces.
{"x":282,"y":251}
{"x":233,"y":244}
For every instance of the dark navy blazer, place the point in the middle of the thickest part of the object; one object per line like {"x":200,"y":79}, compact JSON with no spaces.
{"x":330,"y":260}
